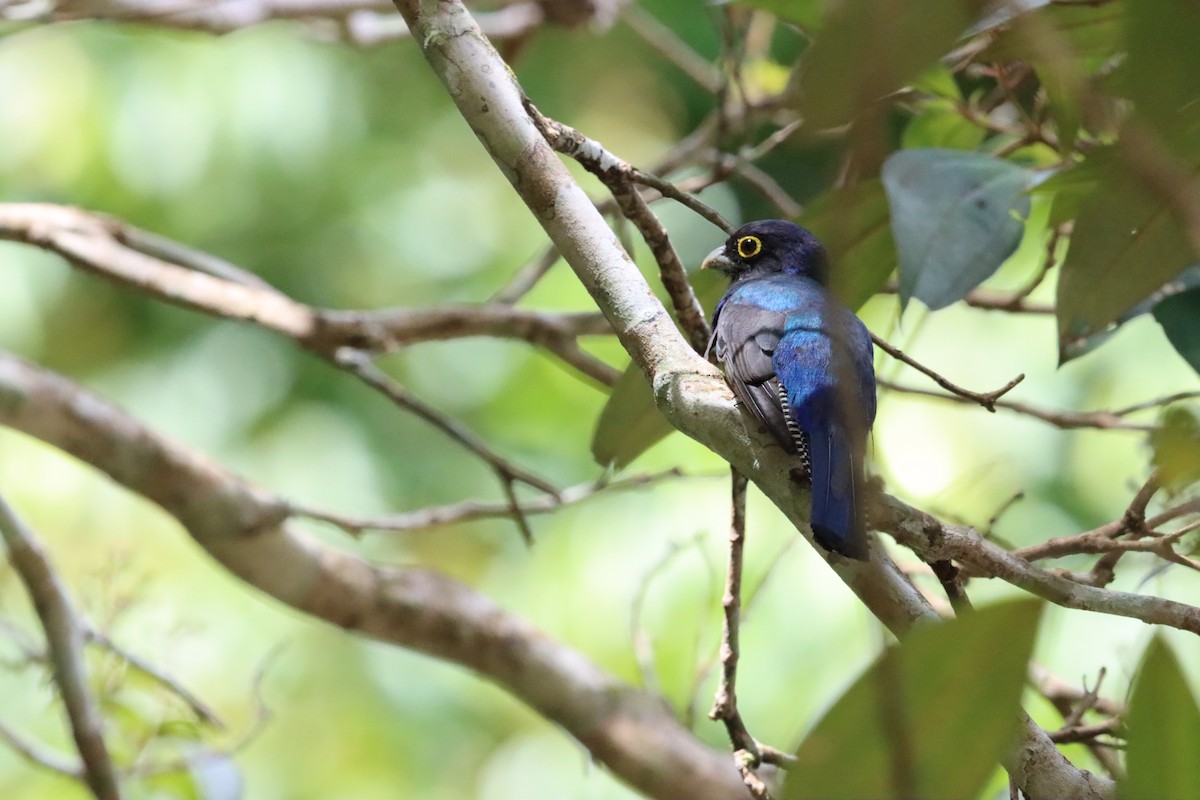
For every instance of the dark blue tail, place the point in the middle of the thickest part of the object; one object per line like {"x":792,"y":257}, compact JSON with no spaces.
{"x":838,"y":522}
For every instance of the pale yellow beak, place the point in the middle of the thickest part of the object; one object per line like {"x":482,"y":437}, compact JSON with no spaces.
{"x":717,"y":260}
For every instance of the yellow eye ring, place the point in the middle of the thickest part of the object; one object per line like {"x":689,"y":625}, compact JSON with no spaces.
{"x":749,"y":246}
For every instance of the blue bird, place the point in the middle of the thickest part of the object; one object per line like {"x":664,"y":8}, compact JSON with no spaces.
{"x":801,"y":363}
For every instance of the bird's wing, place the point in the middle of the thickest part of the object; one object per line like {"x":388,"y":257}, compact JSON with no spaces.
{"x":744,"y":339}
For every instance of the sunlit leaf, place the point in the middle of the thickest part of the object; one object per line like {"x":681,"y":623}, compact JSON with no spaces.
{"x":764,"y":78}
{"x":938,"y":81}
{"x":940,"y":124}
{"x":805,"y":13}
{"x":867,"y":49}
{"x":1176,"y":445}
{"x":176,"y":785}
{"x":940,"y":709}
{"x":180,"y":729}
{"x":1163,"y":730}
{"x":1073,"y":188}
{"x":956,"y":217}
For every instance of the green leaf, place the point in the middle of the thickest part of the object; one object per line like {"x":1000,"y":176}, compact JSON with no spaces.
{"x":1164,"y":731}
{"x":1179,"y":317}
{"x":1087,"y":35}
{"x":938,"y":81}
{"x":1126,"y":245}
{"x":630,"y":423}
{"x":1176,"y":444}
{"x":1073,"y":188}
{"x":956,"y":217}
{"x":1188,"y":280}
{"x":867,"y":49}
{"x":1164,"y":60}
{"x":930,"y":719}
{"x":852,"y":223}
{"x":176,"y":785}
{"x":939,"y":124}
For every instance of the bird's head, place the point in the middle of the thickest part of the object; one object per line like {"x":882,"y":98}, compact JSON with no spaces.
{"x":770,"y":245}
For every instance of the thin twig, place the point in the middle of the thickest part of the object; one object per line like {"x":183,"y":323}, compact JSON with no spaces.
{"x":643,"y":647}
{"x":356,"y":364}
{"x":65,"y":642}
{"x":671,"y":46}
{"x":516,"y":512}
{"x":363,"y":23}
{"x":1085,"y":732}
{"x":1072,"y":702}
{"x":952,"y":584}
{"x":991,"y":300}
{"x":750,"y":598}
{"x":201,"y":709}
{"x":747,"y":754}
{"x":1004,"y":508}
{"x":38,"y":755}
{"x":1105,"y":538}
{"x":1059,"y":691}
{"x":686,"y":199}
{"x":471,"y":510}
{"x":1150,"y":405}
{"x":619,"y":177}
{"x":985,"y":399}
{"x":1048,"y":263}
{"x":1066,"y":420}
{"x":524,"y":279}
{"x":761,"y":181}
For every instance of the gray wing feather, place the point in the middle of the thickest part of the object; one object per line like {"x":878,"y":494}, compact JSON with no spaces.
{"x":744,"y":338}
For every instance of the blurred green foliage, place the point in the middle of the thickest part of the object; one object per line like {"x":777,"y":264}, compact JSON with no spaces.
{"x":911,"y":726}
{"x":345,"y":178}
{"x":1164,"y":730}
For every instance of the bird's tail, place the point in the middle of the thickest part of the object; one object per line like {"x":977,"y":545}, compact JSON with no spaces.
{"x":838,"y":490}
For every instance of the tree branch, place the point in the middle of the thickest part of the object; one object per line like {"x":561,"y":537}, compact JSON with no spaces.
{"x":933,"y":539}
{"x":169,"y":271}
{"x":246,"y":530}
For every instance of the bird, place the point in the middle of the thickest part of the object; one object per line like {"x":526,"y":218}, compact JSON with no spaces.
{"x":801,"y":363}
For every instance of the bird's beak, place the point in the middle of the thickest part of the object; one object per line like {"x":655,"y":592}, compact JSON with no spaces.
{"x":717,"y":260}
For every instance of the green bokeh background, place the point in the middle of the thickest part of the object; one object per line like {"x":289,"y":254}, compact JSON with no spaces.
{"x":346,"y":178}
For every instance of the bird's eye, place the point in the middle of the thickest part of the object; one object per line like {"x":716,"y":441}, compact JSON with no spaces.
{"x":749,"y":246}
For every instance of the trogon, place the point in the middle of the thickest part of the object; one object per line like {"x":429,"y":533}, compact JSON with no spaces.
{"x":801,"y":363}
